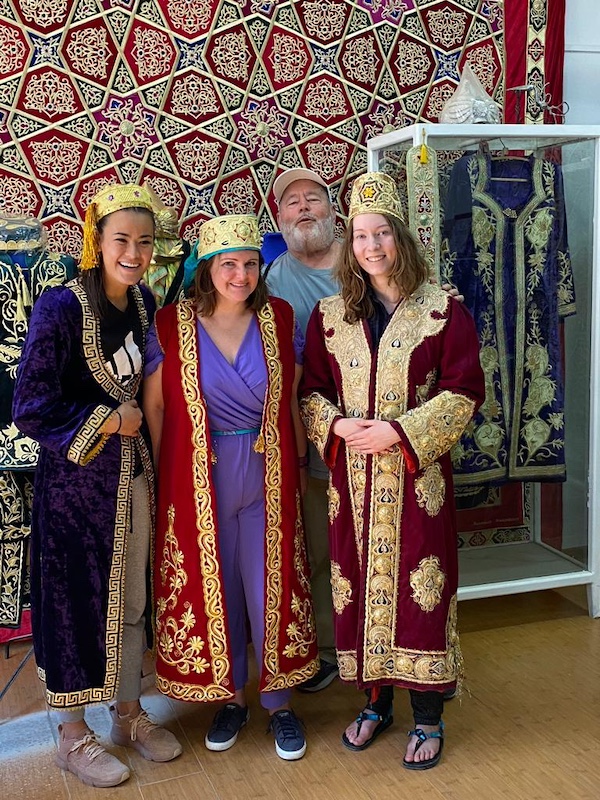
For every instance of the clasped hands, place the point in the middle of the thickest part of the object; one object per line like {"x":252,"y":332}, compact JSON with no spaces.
{"x":368,"y":436}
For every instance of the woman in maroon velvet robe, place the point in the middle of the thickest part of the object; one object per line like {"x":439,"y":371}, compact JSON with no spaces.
{"x":77,"y":393}
{"x":391,"y":379}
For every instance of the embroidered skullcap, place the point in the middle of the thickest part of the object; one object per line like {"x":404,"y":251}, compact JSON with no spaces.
{"x":375,"y":193}
{"x":224,"y":234}
{"x":111,"y":198}
{"x":291,"y":176}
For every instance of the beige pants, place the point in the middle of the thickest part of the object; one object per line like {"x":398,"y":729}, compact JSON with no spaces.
{"x":316,"y":521}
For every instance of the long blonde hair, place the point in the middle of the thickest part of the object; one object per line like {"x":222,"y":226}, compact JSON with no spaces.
{"x":409,"y":271}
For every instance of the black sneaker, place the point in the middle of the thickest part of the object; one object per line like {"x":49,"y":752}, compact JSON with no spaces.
{"x":290,"y":743}
{"x":326,"y":674}
{"x":225,"y":727}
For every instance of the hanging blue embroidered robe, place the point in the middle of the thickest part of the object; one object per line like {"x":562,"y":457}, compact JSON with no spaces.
{"x":505,"y":248}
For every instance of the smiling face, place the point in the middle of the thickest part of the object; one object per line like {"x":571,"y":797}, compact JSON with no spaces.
{"x":306,"y":217}
{"x":235,"y":275}
{"x":126,"y":245}
{"x":374,"y":245}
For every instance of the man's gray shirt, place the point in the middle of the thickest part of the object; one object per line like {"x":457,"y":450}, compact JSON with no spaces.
{"x":302,"y":287}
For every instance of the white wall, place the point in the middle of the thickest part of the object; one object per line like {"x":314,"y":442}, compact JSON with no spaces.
{"x":582,"y":62}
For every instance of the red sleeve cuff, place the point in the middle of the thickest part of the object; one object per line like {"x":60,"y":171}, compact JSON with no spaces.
{"x":410,"y":457}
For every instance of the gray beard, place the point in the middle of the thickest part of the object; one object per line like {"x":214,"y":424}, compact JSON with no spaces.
{"x":319,"y":237}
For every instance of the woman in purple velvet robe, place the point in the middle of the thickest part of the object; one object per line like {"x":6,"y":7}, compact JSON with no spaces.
{"x":77,"y":394}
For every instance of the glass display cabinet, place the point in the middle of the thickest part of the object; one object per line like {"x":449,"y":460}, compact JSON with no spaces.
{"x":509,"y":214}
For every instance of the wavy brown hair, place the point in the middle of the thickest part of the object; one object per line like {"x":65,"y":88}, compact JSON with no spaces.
{"x":204,"y":293}
{"x":409,"y":271}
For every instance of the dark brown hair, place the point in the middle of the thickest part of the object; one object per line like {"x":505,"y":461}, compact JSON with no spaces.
{"x":91,"y":279}
{"x":205,"y":294}
{"x":409,"y":271}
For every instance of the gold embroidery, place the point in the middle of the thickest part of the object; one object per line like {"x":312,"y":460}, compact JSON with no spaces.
{"x":272,"y":454}
{"x":175,"y":648}
{"x":92,"y":346}
{"x":300,"y":555}
{"x":430,"y":489}
{"x":302,"y":633}
{"x":427,"y":582}
{"x":347,"y":664}
{"x":334,"y":502}
{"x":424,"y":203}
{"x":433,"y":429}
{"x":351,"y":350}
{"x":17,"y":450}
{"x":15,"y":510}
{"x":455,"y":659}
{"x":88,"y":442}
{"x":422,"y":392}
{"x":17,"y":296}
{"x":318,"y":416}
{"x":205,"y":522}
{"x":341,"y":588}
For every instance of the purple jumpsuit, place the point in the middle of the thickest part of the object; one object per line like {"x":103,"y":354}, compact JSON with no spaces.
{"x":234,"y":396}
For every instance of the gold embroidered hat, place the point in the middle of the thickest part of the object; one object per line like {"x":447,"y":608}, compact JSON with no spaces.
{"x":114,"y":197}
{"x":224,"y":234}
{"x":375,"y":193}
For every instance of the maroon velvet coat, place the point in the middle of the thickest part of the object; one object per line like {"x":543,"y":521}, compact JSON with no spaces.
{"x":393,"y":545}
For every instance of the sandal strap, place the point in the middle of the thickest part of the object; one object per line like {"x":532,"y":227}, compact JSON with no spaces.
{"x":369,"y":715}
{"x":422,"y":736}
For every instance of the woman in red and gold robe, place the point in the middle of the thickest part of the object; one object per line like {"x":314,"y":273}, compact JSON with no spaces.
{"x":391,"y":379}
{"x":231,"y":564}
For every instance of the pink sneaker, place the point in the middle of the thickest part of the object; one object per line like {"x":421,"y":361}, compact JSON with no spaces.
{"x":89,"y":761}
{"x":148,"y":738}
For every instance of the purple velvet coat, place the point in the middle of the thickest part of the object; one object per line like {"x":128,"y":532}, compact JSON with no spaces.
{"x":81,"y":509}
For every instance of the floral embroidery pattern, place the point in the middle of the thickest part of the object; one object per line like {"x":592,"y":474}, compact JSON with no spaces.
{"x":341,"y":588}
{"x":174,"y":646}
{"x":427,"y":583}
{"x":430,"y":490}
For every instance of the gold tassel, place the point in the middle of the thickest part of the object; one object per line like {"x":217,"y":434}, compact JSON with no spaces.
{"x":259,"y":444}
{"x":23,"y":299}
{"x":91,"y":243}
{"x":424,"y":158}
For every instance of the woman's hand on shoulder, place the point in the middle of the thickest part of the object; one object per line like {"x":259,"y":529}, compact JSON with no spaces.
{"x":453,"y":292}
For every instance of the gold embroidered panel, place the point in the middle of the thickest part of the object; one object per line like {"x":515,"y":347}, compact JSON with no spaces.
{"x":209,"y":99}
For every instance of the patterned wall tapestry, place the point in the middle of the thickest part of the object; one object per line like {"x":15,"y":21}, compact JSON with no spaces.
{"x":209,"y":99}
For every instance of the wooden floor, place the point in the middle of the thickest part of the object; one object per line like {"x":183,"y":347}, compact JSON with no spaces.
{"x":529,"y":728}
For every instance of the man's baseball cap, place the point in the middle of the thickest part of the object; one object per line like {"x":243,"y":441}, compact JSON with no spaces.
{"x":298,"y":174}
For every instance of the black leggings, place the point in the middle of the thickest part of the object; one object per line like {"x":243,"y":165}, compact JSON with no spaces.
{"x":427,"y":707}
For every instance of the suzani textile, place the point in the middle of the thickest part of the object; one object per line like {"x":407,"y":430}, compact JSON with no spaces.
{"x":209,"y":100}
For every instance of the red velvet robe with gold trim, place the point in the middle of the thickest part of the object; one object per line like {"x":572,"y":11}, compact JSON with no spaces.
{"x":193,"y":648}
{"x":394,"y":561}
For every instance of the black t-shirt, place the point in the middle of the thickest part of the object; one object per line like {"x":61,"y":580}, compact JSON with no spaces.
{"x":122,"y":341}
